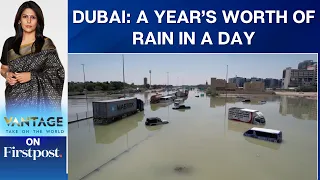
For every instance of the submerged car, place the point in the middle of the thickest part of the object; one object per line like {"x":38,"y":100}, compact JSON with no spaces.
{"x":246,"y":100}
{"x":181,"y":107}
{"x":153,"y":121}
{"x":178,"y":101}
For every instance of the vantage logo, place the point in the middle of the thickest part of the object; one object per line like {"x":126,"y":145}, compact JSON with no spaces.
{"x":34,"y":121}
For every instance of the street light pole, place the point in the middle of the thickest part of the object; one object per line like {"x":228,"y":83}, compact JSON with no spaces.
{"x":123,"y":68}
{"x":225,"y":107}
{"x":85,"y":86}
{"x":168,"y":82}
{"x":226,"y":86}
{"x":150,"y":78}
{"x":124,"y":94}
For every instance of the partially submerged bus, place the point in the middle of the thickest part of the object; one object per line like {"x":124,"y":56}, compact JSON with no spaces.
{"x":265,"y":134}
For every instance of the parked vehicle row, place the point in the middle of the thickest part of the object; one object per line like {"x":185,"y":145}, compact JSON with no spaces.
{"x":254,"y":117}
{"x":105,"y":112}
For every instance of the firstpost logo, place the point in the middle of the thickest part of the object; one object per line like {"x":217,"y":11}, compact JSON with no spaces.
{"x":34,"y":154}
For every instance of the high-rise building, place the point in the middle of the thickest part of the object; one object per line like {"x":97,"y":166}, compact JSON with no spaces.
{"x":314,"y":68}
{"x":239,"y":81}
{"x":267,"y":82}
{"x":271,"y":83}
{"x":305,"y":64}
{"x":255,"y":79}
{"x":299,"y":77}
{"x":145,"y":81}
{"x":275,"y":83}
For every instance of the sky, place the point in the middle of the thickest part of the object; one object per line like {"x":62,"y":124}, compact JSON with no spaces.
{"x":191,"y":69}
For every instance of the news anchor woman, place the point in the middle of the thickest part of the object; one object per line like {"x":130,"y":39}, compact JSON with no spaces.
{"x":31,"y":66}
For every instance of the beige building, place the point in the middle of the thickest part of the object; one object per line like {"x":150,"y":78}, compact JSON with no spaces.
{"x":218,"y":83}
{"x":231,"y":86}
{"x":254,"y":86}
{"x":221,"y":84}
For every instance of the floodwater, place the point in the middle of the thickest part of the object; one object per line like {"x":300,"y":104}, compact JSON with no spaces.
{"x":199,"y":143}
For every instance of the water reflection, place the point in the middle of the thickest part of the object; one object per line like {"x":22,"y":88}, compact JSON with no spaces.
{"x":221,"y":101}
{"x":155,"y":107}
{"x":266,"y":144}
{"x":107,"y":134}
{"x":154,"y":128}
{"x":300,"y":108}
{"x":181,"y":110}
{"x":241,"y":127}
{"x":186,"y":132}
{"x":146,"y":97}
{"x":254,"y":100}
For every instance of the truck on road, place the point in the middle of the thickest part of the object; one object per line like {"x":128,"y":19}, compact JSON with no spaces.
{"x":108,"y":111}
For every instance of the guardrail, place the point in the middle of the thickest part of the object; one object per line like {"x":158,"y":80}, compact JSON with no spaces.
{"x":76,"y":117}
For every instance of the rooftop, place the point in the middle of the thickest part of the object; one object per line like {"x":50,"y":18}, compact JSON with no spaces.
{"x":249,"y":110}
{"x":166,"y":97}
{"x":114,"y":100}
{"x":266,"y":130}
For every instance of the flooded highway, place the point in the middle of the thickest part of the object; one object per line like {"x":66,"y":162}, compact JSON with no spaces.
{"x":199,"y":143}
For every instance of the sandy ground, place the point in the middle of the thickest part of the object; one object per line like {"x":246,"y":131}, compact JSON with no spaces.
{"x":308,"y":95}
{"x":244,"y":95}
{"x":303,"y":94}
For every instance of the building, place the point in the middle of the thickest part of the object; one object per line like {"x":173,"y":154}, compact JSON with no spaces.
{"x":314,"y":68}
{"x":267,"y":82}
{"x":239,"y":81}
{"x":231,"y":86}
{"x":305,"y":64}
{"x":221,"y":85}
{"x":255,"y":79}
{"x":254,"y":86}
{"x":299,"y":77}
{"x":145,"y":81}
{"x":213,"y":86}
{"x":275,"y":83}
{"x":218,"y":84}
{"x":272,"y":83}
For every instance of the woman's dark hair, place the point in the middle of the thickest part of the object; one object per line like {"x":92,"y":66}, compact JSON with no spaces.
{"x":39,"y":29}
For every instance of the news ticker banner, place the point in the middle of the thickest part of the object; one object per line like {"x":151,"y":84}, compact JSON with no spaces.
{"x":203,"y":26}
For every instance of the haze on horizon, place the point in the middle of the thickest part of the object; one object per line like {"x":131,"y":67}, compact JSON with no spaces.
{"x":191,"y":69}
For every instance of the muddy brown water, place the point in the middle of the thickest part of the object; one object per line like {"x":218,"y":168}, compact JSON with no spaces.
{"x":200,"y":143}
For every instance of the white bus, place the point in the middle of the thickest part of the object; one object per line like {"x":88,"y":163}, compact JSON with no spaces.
{"x":264,"y":134}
